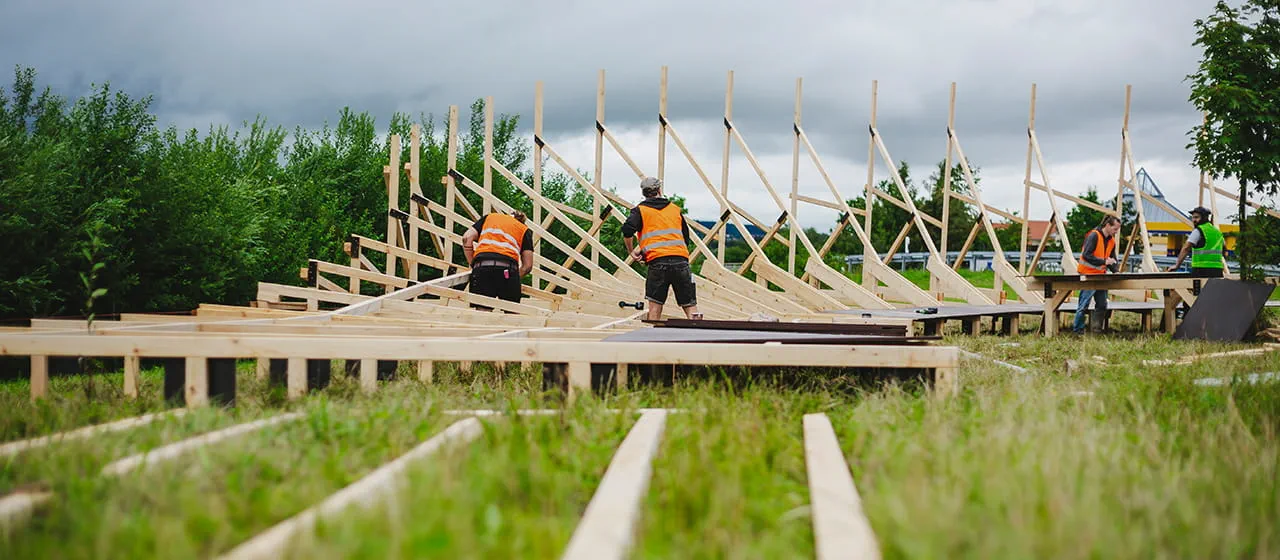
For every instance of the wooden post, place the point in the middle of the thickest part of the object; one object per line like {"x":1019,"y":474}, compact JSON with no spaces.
{"x":537,"y":168}
{"x":596,"y":178}
{"x":795,"y":188}
{"x":724,"y":172}
{"x":946,"y":174}
{"x":662,"y":127}
{"x":869,"y":195}
{"x":39,"y":377}
{"x":1026,"y":186}
{"x":132,"y":367}
{"x":488,"y":152}
{"x":392,"y":174}
{"x":451,"y":190}
{"x":197,"y":382}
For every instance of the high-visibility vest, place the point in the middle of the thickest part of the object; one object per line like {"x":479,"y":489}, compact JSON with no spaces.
{"x":660,"y":232}
{"x":1102,"y":249}
{"x":501,"y":235}
{"x":1209,"y":256}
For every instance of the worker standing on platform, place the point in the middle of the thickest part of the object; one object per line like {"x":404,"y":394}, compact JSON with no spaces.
{"x":1206,"y":245}
{"x":663,"y":237}
{"x":499,"y":250}
{"x":1097,"y":256}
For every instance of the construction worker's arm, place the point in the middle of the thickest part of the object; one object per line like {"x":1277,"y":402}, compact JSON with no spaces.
{"x":469,"y":244}
{"x":526,"y":262}
{"x":631,"y":229}
{"x":526,"y":253}
{"x":1182,"y":255}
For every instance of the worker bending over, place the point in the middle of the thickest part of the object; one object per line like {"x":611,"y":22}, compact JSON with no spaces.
{"x":663,"y":238}
{"x":499,"y":250}
{"x":1097,"y":256}
{"x":1206,"y":245}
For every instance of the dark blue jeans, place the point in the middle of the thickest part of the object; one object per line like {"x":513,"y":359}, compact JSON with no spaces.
{"x":1099,"y":296}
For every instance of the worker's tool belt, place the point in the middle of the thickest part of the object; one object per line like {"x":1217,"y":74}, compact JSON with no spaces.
{"x":493,"y":262}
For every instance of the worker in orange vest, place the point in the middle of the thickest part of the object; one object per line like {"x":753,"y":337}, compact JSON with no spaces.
{"x":663,"y":235}
{"x":499,"y":250}
{"x":1097,"y":256}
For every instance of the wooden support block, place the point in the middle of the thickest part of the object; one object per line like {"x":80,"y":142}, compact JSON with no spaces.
{"x":579,"y":374}
{"x":262,"y":370}
{"x":426,"y":371}
{"x":296,"y":384}
{"x":196,"y":382}
{"x":946,"y":382}
{"x":39,"y":377}
{"x":369,"y":375}
{"x":132,"y":371}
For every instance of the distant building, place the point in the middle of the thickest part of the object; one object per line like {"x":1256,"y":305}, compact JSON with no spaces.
{"x":1168,"y":233}
{"x":731,"y":232}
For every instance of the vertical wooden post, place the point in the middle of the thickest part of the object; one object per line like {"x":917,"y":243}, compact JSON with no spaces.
{"x":537,"y":170}
{"x":132,"y":367}
{"x":1026,"y":187}
{"x":39,"y":377}
{"x":451,"y":189}
{"x":599,"y":170}
{"x":369,"y":375}
{"x":392,"y":174}
{"x":426,"y":371}
{"x":262,"y":369}
{"x":415,"y":146}
{"x":662,"y":126}
{"x":869,"y":252}
{"x":488,"y":151}
{"x":197,"y":382}
{"x":724,"y":171}
{"x":579,"y":374}
{"x":946,"y":173}
{"x":296,"y":380}
{"x":1124,"y":133}
{"x":795,"y":187}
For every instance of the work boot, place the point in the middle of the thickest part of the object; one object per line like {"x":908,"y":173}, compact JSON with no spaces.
{"x":1097,"y":321}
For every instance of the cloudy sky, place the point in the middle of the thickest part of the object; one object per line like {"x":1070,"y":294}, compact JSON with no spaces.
{"x":297,"y":62}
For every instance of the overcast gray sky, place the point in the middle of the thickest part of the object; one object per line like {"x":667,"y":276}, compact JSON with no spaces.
{"x":297,"y":62}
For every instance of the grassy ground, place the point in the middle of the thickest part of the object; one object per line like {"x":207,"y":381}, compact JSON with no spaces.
{"x":1113,"y":459}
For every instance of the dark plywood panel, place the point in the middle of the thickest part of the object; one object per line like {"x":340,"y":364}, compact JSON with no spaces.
{"x":1224,"y":310}
{"x":659,"y":334}
{"x":780,"y":326}
{"x":1111,"y":276}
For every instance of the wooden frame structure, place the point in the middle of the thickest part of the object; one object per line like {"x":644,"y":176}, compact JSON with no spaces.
{"x":587,"y":293}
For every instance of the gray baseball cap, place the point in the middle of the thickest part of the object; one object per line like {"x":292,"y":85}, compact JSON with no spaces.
{"x":650,"y":185}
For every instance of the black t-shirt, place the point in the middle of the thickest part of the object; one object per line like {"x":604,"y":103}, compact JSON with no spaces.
{"x":526,"y":244}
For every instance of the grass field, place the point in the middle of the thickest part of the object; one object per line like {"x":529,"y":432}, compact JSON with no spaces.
{"x":1114,"y":459}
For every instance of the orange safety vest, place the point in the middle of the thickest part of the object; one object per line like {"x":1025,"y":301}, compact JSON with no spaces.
{"x":660,"y":232}
{"x":501,"y":235}
{"x":1101,"y":250}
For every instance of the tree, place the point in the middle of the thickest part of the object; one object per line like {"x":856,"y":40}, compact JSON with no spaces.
{"x":1237,"y":87}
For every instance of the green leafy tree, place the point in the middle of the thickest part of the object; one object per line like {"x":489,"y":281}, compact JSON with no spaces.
{"x":1237,"y":87}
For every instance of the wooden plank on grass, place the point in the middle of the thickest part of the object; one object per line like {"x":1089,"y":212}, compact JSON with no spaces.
{"x":13,"y":448}
{"x":16,"y":509}
{"x":383,"y":482}
{"x":171,"y":451}
{"x":608,"y":525}
{"x":840,"y":528}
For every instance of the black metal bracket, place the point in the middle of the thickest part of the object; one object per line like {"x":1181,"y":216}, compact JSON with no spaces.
{"x":398,"y":214}
{"x":312,"y":273}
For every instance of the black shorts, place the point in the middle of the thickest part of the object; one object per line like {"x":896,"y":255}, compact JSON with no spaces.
{"x":672,"y":274}
{"x":497,"y":281}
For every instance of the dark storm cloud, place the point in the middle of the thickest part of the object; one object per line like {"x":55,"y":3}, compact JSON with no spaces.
{"x":298,"y":63}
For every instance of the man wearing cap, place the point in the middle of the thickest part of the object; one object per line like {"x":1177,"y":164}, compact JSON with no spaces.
{"x":663,"y":235}
{"x":499,"y":250}
{"x":1206,"y":245}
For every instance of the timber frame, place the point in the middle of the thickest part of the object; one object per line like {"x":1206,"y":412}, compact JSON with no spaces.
{"x":420,"y":311}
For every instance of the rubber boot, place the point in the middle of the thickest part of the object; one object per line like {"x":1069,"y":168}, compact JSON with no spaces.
{"x":1097,"y":321}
